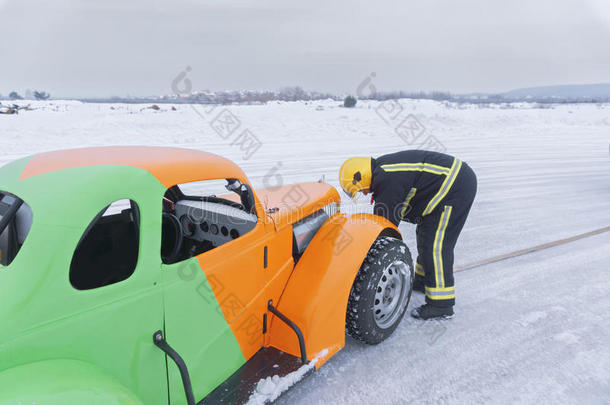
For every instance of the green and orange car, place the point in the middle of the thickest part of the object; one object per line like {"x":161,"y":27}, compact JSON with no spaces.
{"x":150,"y":275}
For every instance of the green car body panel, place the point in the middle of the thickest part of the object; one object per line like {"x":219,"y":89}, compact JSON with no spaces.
{"x":61,"y":345}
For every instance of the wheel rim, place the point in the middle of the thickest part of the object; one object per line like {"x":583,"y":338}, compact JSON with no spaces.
{"x":392,"y":294}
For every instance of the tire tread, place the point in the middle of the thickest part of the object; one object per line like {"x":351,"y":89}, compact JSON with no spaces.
{"x":377,"y":251}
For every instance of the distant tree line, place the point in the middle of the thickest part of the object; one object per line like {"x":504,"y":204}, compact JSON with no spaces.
{"x":297,"y":93}
{"x":38,"y":95}
{"x":480,"y":98}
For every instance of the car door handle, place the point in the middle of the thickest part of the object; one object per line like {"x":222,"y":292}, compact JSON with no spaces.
{"x":162,"y":344}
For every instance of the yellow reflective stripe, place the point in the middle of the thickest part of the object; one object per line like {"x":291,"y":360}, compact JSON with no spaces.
{"x":416,"y":167}
{"x":437,"y":248}
{"x":419,"y":270}
{"x":443,"y":297}
{"x":445,"y":187}
{"x":410,"y":196}
{"x":445,"y":293}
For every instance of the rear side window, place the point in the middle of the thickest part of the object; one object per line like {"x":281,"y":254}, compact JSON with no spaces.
{"x":15,"y":224}
{"x":107,"y":253}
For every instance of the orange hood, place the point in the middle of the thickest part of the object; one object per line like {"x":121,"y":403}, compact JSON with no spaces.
{"x":288,"y":204}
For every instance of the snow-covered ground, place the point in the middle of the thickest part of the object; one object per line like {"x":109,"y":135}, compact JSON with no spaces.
{"x":530,"y":329}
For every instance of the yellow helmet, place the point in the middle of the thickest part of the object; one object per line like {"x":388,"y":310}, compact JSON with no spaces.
{"x":355,"y":175}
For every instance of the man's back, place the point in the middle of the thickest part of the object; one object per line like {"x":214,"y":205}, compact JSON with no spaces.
{"x":410,"y":179}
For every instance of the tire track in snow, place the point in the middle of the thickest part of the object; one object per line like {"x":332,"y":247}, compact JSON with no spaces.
{"x":530,"y":250}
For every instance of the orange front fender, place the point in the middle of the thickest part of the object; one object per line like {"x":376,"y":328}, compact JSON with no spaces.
{"x":316,"y":295}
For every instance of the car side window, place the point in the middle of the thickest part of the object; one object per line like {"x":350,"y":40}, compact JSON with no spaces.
{"x":200,"y":216}
{"x":15,"y":223}
{"x":107,"y":252}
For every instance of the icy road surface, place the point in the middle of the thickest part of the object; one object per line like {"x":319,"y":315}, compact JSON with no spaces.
{"x":529,"y":329}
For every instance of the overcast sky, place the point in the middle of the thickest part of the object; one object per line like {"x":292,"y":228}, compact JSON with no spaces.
{"x":136,"y":47}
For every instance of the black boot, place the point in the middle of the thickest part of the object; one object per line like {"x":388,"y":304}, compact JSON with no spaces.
{"x":428,"y":311}
{"x":419,"y":284}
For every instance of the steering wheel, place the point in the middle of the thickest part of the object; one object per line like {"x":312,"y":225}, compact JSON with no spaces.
{"x":171,"y":244}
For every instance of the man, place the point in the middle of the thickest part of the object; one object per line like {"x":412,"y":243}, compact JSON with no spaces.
{"x":430,"y":189}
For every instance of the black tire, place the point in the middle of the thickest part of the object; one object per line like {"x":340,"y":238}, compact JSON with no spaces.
{"x":360,"y":321}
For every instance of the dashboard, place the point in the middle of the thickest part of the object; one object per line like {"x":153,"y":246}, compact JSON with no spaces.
{"x":213,"y":222}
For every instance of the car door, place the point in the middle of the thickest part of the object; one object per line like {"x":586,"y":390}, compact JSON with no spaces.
{"x":216,"y":302}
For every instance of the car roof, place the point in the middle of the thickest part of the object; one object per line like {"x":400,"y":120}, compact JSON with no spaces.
{"x":170,"y":166}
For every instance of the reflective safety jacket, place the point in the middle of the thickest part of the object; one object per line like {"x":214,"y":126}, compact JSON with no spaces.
{"x":411,"y":184}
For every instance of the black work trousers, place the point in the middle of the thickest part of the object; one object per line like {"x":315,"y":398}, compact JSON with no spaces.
{"x":437,"y":234}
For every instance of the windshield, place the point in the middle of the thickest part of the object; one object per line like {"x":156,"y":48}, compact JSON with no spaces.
{"x":15,"y":224}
